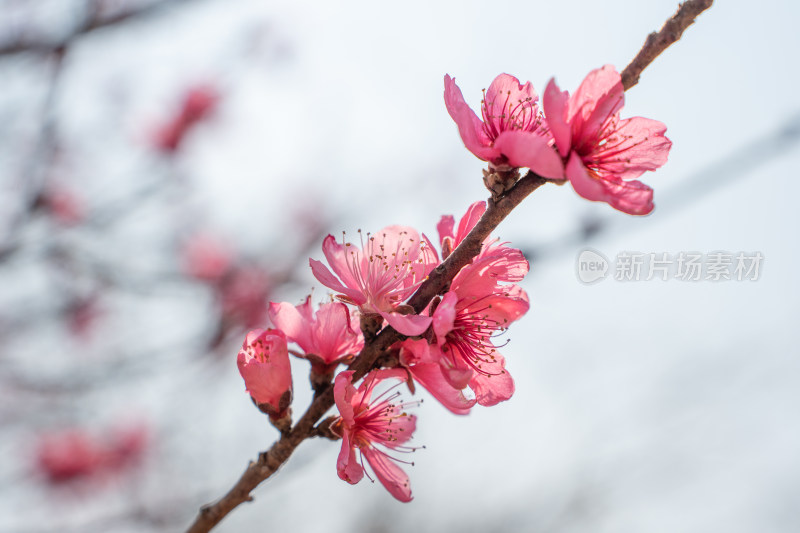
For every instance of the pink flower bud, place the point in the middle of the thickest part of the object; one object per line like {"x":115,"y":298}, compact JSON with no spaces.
{"x":264,"y":365}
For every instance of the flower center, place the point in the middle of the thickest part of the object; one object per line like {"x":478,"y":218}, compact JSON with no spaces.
{"x":470,"y":339}
{"x":385,"y":273}
{"x":499,"y":116}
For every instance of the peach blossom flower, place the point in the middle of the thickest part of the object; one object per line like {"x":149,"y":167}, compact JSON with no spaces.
{"x":512,"y":133}
{"x":381,"y":275}
{"x":603,"y":153}
{"x":371,"y":425}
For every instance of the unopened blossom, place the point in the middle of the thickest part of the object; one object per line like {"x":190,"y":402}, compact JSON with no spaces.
{"x":511,"y":133}
{"x":376,"y":427}
{"x":380,"y":275}
{"x":603,"y":153}
{"x":326,"y":336}
{"x":264,"y":365}
{"x":482,"y":302}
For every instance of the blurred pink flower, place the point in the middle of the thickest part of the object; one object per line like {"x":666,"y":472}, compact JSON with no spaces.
{"x":75,"y":453}
{"x":264,"y":365}
{"x":244,"y":293}
{"x":197,"y":104}
{"x":82,"y":315}
{"x":604,"y":154}
{"x":512,"y":133}
{"x":206,"y":257}
{"x":68,"y":455}
{"x":327,"y":336}
{"x":63,"y":205}
{"x":381,"y":275}
{"x":366,"y":423}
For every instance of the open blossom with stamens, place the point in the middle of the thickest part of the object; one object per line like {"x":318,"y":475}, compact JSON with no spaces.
{"x":512,"y":133}
{"x":464,"y":352}
{"x":381,"y":275}
{"x":603,"y":153}
{"x":481,"y":303}
{"x":327,"y":336}
{"x":375,"y":427}
{"x":264,"y":365}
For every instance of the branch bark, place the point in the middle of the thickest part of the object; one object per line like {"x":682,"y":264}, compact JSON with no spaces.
{"x":659,"y":41}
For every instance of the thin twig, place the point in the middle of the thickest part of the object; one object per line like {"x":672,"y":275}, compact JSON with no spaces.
{"x":659,"y":41}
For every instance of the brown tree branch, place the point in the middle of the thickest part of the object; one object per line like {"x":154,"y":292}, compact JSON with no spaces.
{"x":659,"y":41}
{"x":268,"y":462}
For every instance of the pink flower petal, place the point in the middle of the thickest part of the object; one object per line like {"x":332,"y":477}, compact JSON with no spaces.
{"x":637,"y":145}
{"x":389,"y":474}
{"x":347,"y":465}
{"x":469,"y":125}
{"x":343,"y":392}
{"x":469,"y":220}
{"x":599,"y":97}
{"x":410,"y":325}
{"x":289,"y":320}
{"x":632,"y":197}
{"x":415,"y":352}
{"x":445,"y":228}
{"x":325,"y":277}
{"x":429,"y":375}
{"x":455,"y":371}
{"x":339,"y":260}
{"x":531,"y":150}
{"x":555,"y":108}
{"x":504,"y":94}
{"x":493,"y":389}
{"x":444,"y":316}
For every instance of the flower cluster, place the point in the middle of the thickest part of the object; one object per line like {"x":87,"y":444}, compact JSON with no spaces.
{"x":449,"y":347}
{"x":580,"y":137}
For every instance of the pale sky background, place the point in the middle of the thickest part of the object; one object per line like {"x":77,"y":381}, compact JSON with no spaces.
{"x":643,"y":407}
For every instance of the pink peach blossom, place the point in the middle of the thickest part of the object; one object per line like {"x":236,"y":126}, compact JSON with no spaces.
{"x":264,"y":365}
{"x":464,"y":351}
{"x":381,"y":275}
{"x":512,"y":133}
{"x":326,"y":336}
{"x":481,"y":303}
{"x":604,"y":154}
{"x":371,"y":425}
